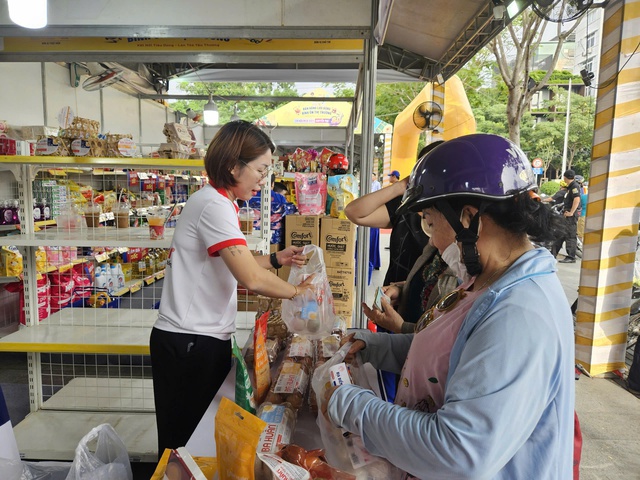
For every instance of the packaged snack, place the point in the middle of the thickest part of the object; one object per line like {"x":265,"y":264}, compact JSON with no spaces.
{"x":10,"y":261}
{"x":244,"y":390}
{"x":281,"y":469}
{"x":311,"y":193}
{"x":343,"y":189}
{"x":291,"y":384}
{"x":273,"y":347}
{"x":314,"y":462}
{"x":327,"y":347}
{"x":300,"y":350}
{"x":237,"y":436}
{"x":281,"y":421}
{"x":261,"y":360}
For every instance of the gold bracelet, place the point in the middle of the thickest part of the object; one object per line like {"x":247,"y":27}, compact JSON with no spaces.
{"x":295,"y":294}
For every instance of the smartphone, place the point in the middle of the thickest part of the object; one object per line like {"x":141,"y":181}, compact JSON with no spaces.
{"x":377,"y":299}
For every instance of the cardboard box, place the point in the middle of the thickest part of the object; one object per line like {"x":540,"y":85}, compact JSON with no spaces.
{"x":342,"y":282}
{"x":301,"y":230}
{"x":338,"y":242}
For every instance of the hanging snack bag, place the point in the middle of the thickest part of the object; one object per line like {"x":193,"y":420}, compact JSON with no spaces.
{"x":237,"y":436}
{"x":343,"y":189}
{"x":311,"y":192}
{"x":244,"y":390}
{"x":261,"y":358}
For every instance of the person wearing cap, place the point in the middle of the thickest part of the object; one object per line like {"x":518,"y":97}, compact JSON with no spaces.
{"x":571,"y":213}
{"x":394,"y":176}
{"x":487,"y":387}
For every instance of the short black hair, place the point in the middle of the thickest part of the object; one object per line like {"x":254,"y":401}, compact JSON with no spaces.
{"x":570,"y":174}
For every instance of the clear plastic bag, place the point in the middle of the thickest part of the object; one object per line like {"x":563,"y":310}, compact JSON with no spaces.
{"x":346,"y":452}
{"x":101,"y":455}
{"x":19,"y":470}
{"x":310,"y":314}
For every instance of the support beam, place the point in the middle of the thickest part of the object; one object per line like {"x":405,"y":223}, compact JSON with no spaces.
{"x":613,"y":208}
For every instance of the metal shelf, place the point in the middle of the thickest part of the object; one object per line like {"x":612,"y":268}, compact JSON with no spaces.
{"x":54,"y":435}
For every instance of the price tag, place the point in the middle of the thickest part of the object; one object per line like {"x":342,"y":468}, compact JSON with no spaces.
{"x":65,"y":117}
{"x":46,"y":146}
{"x":80,"y":147}
{"x":126,"y":147}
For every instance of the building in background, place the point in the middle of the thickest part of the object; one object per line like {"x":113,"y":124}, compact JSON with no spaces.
{"x":588,"y":43}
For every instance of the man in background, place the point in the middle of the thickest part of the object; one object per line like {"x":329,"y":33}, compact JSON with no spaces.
{"x":375,"y":184}
{"x":394,"y":176}
{"x":571,"y":213}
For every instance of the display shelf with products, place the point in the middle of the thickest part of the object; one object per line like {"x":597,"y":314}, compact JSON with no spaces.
{"x":86,"y":343}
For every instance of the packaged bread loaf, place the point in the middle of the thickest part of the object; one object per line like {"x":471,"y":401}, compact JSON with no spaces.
{"x":281,"y":420}
{"x":290,"y":385}
{"x":300,"y":350}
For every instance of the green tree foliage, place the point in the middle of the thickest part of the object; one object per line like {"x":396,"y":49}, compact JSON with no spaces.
{"x":393,"y":98}
{"x":249,"y":111}
{"x":549,"y":188}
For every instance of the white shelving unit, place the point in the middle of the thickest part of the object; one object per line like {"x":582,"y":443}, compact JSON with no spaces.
{"x":97,"y":352}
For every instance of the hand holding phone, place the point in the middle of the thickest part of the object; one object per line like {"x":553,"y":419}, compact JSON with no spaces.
{"x":377,"y":299}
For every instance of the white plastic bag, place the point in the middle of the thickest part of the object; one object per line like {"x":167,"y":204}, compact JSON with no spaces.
{"x":346,"y":452}
{"x":101,"y":455}
{"x":19,"y":470}
{"x":310,"y":314}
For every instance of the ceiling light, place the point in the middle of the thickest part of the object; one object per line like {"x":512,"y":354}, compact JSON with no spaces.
{"x":513,"y":9}
{"x":211,"y":115}
{"x":28,"y":13}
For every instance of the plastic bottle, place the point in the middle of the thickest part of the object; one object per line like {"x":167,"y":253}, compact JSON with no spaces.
{"x":37,"y":212}
{"x":46,"y":211}
{"x":101,"y":280}
{"x":119,"y":275}
{"x":113,"y":278}
{"x":15,"y":212}
{"x":3,"y":207}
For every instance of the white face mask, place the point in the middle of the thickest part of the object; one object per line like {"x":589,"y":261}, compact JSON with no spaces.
{"x":453,"y":258}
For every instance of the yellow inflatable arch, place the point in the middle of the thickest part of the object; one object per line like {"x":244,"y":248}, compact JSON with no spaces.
{"x":457,"y":120}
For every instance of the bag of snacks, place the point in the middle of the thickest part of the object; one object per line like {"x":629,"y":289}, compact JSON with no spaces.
{"x":343,"y":189}
{"x":281,"y":420}
{"x":237,"y":435}
{"x":261,"y":358}
{"x":310,"y":314}
{"x":290,"y":385}
{"x":244,"y":390}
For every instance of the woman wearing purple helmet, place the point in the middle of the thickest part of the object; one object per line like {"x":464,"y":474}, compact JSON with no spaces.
{"x":487,"y":388}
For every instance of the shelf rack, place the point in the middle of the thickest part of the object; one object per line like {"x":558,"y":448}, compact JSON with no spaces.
{"x":107,"y":341}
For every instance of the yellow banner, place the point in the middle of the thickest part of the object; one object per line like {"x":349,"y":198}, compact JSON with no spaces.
{"x":122,"y":44}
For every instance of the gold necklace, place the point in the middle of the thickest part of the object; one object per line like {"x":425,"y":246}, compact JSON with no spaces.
{"x":448,"y":301}
{"x":493,"y":275}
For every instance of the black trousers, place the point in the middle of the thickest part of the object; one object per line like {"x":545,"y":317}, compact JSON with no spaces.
{"x":633,"y":379}
{"x":570,"y":238}
{"x":187,"y":371}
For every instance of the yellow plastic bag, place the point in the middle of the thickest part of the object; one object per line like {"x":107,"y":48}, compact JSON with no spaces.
{"x":237,"y":436}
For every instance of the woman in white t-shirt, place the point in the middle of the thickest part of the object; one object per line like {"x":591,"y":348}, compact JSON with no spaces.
{"x":190,"y":342}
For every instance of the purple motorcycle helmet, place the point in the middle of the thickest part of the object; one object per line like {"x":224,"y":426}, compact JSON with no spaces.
{"x":483,"y":166}
{"x":479,"y":165}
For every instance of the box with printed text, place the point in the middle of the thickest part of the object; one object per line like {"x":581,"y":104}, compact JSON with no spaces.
{"x":338,"y":242}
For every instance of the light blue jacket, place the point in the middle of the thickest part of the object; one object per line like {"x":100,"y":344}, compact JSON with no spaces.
{"x":509,"y":398}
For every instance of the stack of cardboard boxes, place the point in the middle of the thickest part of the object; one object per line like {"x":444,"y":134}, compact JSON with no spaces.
{"x":337,"y":238}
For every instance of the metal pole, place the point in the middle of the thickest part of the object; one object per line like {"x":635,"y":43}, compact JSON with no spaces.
{"x":366,"y":164}
{"x":566,"y":130}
